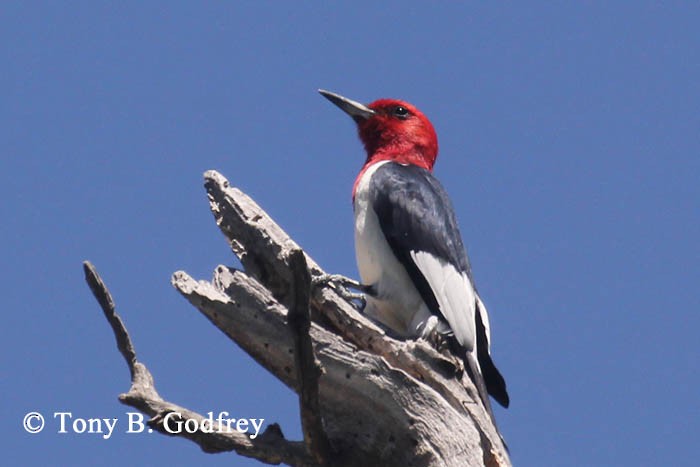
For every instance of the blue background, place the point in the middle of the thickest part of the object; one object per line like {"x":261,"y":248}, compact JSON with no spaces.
{"x":569,"y":142}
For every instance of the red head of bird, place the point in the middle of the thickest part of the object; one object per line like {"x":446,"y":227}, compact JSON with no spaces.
{"x":391,"y":130}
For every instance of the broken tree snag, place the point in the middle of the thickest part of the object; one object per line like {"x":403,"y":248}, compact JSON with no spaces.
{"x":307,"y":370}
{"x":270,"y":447}
{"x":264,"y":250}
{"x":369,"y":408}
{"x":365,"y":398}
{"x":238,"y":217}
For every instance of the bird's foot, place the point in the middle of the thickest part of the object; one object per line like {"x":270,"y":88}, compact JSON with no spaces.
{"x":443,"y":342}
{"x":439,"y":341}
{"x":341,"y":285}
{"x":428,"y":331}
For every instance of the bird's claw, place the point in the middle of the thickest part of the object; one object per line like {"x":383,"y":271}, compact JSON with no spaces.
{"x":340,"y":284}
{"x":439,"y":341}
{"x":429,"y":332}
{"x":443,"y":343}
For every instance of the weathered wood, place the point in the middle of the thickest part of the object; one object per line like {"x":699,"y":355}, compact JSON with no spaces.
{"x":376,"y":400}
{"x":308,"y":371}
{"x":258,"y":241}
{"x":373,"y":413}
{"x":270,"y":447}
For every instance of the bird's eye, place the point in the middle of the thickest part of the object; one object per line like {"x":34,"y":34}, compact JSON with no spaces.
{"x":401,"y":112}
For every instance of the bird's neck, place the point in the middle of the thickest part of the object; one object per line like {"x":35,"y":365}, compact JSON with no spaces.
{"x":404,"y":158}
{"x":402,"y":151}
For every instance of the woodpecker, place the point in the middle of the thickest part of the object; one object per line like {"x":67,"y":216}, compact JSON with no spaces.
{"x":414,"y":268}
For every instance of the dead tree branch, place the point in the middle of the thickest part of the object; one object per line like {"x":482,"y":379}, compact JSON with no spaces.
{"x":365,"y":398}
{"x":307,"y":370}
{"x":270,"y":447}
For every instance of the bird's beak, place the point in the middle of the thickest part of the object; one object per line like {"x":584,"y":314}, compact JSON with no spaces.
{"x":356,"y":110}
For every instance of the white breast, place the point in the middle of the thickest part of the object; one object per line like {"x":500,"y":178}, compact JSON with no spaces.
{"x":398,"y":303}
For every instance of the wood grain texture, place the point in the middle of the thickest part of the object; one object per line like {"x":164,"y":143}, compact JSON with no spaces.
{"x":372,"y":399}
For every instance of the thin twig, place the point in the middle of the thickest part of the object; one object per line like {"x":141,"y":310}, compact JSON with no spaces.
{"x":104,"y":298}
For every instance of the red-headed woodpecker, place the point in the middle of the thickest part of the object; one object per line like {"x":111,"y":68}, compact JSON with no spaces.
{"x":409,"y":250}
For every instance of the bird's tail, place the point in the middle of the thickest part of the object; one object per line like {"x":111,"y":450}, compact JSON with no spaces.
{"x":474,"y":371}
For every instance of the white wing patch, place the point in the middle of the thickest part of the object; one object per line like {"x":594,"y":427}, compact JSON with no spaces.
{"x":454,"y":294}
{"x":485,"y":321}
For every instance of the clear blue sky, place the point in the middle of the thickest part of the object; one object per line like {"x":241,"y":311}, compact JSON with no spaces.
{"x":569,"y":142}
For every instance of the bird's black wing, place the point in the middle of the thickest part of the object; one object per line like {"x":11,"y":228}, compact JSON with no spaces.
{"x":419,"y":224}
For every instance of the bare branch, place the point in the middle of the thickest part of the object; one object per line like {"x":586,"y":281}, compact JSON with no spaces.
{"x":104,"y":298}
{"x":308,"y":372}
{"x":240,"y":220}
{"x":270,"y":447}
